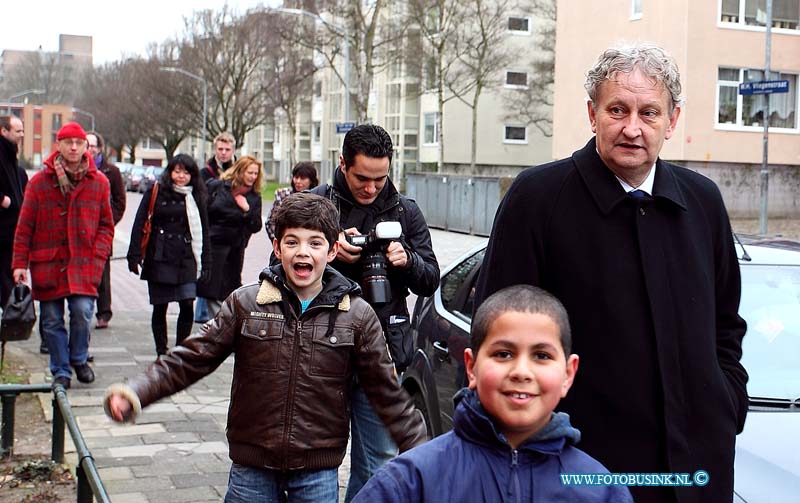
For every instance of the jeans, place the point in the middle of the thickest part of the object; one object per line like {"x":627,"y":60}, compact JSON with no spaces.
{"x":201,"y":310}
{"x":371,"y":445}
{"x":67,"y":348}
{"x":251,"y":485}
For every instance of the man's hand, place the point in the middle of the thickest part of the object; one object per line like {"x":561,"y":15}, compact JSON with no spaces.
{"x":20,"y":276}
{"x":133,"y":266}
{"x":119,"y":407}
{"x":347,"y":252}
{"x":6,"y":202}
{"x":396,"y":254}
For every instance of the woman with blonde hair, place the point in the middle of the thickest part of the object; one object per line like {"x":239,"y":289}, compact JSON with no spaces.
{"x":234,"y":214}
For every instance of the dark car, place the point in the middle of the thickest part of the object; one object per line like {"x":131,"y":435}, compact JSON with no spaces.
{"x":767,"y":466}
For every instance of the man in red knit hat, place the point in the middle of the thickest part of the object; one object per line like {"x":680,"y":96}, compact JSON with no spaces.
{"x":64,"y":235}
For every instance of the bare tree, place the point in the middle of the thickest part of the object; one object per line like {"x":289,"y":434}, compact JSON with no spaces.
{"x":111,"y":93}
{"x":289,"y":68}
{"x":369,"y":30}
{"x":168,"y":107}
{"x":227,"y":50}
{"x":482,"y":54}
{"x":533,"y":105}
{"x":60,"y":78}
{"x":438,"y":23}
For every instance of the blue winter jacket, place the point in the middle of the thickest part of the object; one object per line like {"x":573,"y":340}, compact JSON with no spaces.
{"x":474,"y":463}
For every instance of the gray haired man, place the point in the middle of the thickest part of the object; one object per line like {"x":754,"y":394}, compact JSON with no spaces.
{"x":640,"y":252}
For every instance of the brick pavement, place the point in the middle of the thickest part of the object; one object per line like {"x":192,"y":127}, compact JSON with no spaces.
{"x":177,"y":449}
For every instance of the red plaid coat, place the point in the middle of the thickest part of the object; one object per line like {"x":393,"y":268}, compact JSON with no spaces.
{"x":65,"y":240}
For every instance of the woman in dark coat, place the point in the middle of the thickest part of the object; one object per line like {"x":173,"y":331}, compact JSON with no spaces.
{"x":178,"y":251}
{"x":304,"y":177}
{"x":234,"y":214}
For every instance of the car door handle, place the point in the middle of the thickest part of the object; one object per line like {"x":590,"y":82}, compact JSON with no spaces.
{"x":441,"y":351}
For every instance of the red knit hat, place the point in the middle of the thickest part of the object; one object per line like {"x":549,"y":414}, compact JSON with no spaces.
{"x":71,"y":130}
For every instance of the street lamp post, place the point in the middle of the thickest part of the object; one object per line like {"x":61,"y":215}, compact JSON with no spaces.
{"x":84,"y":112}
{"x":23,"y":93}
{"x":205,"y":99}
{"x":341,"y":31}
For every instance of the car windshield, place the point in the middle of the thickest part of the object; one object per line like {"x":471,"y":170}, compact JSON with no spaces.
{"x":771,"y":349}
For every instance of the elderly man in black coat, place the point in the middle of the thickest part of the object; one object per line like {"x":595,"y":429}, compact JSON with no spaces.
{"x":641,"y":253}
{"x":12,"y":186}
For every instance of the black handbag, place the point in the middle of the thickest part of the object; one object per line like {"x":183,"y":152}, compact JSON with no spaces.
{"x":19,"y":316}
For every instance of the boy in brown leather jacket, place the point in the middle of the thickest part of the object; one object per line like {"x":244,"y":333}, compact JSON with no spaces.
{"x":300,"y":336}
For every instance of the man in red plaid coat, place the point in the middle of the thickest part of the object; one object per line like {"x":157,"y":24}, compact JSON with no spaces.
{"x":64,"y":235}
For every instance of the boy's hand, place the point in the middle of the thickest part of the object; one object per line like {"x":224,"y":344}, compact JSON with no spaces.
{"x":396,"y":254}
{"x":119,"y":407}
{"x":241,"y":201}
{"x":347,"y":252}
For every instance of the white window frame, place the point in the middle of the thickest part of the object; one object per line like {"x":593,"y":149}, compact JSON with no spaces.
{"x":637,"y":13}
{"x":316,"y":131}
{"x":514,"y":142}
{"x":524,"y":33}
{"x":739,"y":125}
{"x":739,"y":24}
{"x":435,"y":129}
{"x":515,"y":86}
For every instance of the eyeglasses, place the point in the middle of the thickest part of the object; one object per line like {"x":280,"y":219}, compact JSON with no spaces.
{"x":93,"y":146}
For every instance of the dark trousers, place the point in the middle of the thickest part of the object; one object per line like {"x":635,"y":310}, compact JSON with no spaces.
{"x":104,"y":294}
{"x":158,"y":323}
{"x":6,"y":278}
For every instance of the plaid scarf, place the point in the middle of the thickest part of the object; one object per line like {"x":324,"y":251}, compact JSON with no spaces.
{"x":68,"y":178}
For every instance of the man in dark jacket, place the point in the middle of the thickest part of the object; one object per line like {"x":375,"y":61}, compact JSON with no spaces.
{"x":12,"y":186}
{"x":641,"y":253}
{"x":118,"y":198}
{"x":364,"y":196}
{"x":224,"y":146}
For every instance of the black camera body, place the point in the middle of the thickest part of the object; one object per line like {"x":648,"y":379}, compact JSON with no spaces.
{"x":374,"y":282}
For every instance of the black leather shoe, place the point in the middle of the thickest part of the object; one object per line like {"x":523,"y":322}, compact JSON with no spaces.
{"x":84,"y":373}
{"x":90,"y":358}
{"x":43,"y":349}
{"x":64,"y":381}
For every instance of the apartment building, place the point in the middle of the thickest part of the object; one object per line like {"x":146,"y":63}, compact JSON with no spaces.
{"x":718,"y":45}
{"x":403,"y":102}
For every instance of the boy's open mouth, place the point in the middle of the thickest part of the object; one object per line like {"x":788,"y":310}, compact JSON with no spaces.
{"x":302,"y":270}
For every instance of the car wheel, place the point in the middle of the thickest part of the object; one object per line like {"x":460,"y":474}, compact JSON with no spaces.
{"x":419,"y":403}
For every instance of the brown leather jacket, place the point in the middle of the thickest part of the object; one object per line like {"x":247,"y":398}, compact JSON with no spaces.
{"x":290,"y":404}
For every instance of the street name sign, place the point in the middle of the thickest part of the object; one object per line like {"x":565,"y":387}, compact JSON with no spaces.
{"x":764,"y":87}
{"x":343,"y":127}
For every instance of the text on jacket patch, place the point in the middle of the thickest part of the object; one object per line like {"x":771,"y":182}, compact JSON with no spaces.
{"x":270,"y":316}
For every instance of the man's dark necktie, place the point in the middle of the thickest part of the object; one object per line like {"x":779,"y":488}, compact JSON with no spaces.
{"x":638,"y":194}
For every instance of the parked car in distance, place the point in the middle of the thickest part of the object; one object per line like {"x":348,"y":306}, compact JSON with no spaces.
{"x":124,"y":167}
{"x":150,"y":176}
{"x":133,"y":178}
{"x":767,"y":467}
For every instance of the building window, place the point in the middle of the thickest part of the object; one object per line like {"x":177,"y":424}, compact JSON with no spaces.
{"x":516,"y":80}
{"x":316,"y":132}
{"x":636,"y":9}
{"x":56,"y":124}
{"x":516,"y":134}
{"x":521,"y":25}
{"x":431,"y":129}
{"x":785,"y":13}
{"x":318,"y":89}
{"x":748,"y":111}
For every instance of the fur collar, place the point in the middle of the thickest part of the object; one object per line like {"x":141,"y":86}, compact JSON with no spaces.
{"x":270,"y":294}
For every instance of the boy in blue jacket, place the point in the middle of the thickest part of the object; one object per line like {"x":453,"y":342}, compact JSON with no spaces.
{"x":507,"y":444}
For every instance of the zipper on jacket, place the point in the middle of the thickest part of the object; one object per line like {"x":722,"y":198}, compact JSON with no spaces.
{"x":287,"y":420}
{"x":515,"y":476}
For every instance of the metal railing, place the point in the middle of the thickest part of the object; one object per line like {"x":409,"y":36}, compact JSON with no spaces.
{"x":89,"y":483}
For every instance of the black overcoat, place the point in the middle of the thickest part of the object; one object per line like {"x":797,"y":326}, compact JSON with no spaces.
{"x":230,"y":231}
{"x":652,"y":290}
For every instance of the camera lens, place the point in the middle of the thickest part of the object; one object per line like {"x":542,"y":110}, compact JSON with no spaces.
{"x":373,"y":279}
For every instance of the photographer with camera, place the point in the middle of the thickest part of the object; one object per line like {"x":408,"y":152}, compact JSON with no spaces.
{"x":395,"y":256}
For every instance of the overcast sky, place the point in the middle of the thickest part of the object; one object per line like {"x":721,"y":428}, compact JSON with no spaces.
{"x":117,"y":27}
